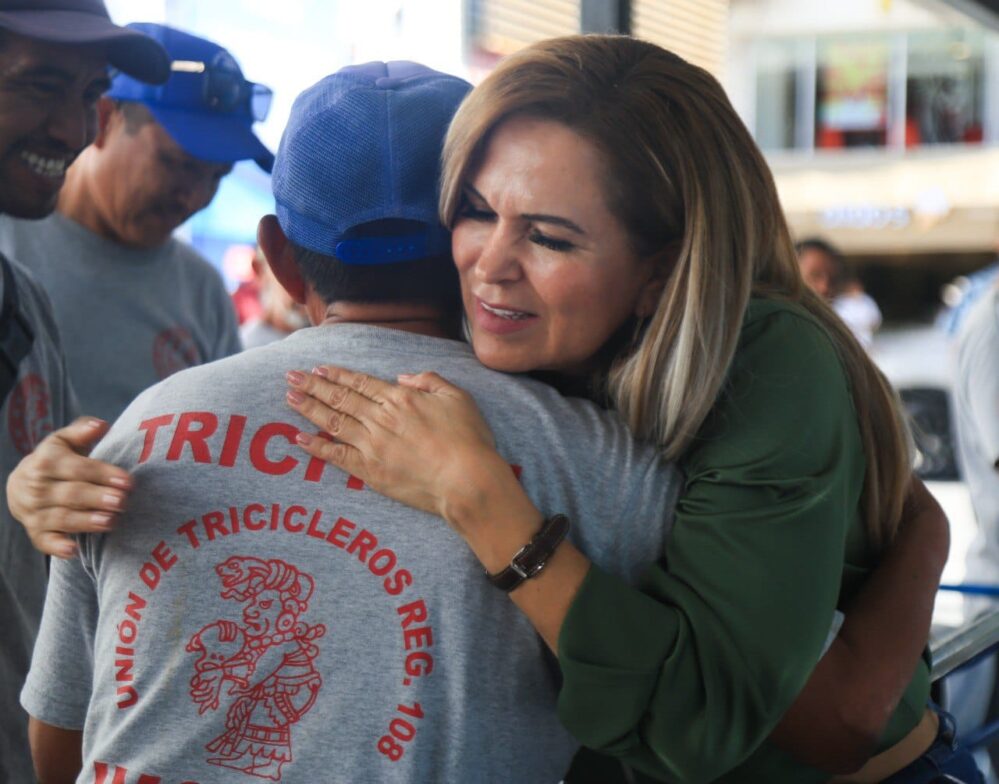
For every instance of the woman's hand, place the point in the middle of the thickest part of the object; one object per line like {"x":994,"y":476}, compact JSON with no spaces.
{"x":425,"y":443}
{"x":58,"y":491}
{"x":422,"y":442}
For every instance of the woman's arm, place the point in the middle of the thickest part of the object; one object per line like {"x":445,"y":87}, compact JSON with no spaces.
{"x":837,"y":720}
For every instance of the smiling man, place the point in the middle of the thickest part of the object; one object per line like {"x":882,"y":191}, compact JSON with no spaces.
{"x":54,"y":57}
{"x":133,"y":304}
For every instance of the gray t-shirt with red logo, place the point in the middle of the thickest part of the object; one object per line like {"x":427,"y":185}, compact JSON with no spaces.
{"x":39,"y":402}
{"x":129,"y":317}
{"x":261,"y":615}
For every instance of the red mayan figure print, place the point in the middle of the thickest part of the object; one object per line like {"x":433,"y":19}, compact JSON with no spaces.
{"x":267,"y":661}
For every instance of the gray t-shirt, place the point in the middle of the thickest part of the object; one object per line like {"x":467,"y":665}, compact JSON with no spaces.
{"x":976,"y":411}
{"x":40,"y":402}
{"x":128,"y":317}
{"x":260,"y":613}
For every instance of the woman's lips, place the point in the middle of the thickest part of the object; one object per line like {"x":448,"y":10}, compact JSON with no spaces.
{"x":501,"y":321}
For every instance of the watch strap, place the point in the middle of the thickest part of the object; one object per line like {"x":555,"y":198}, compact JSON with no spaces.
{"x":533,"y":556}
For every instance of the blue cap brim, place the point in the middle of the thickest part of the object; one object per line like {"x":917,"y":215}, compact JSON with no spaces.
{"x":218,"y":138}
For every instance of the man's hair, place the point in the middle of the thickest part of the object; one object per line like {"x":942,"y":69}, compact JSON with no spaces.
{"x":432,"y":281}
{"x":136,"y":114}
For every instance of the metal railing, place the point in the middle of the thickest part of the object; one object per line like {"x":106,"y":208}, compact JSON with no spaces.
{"x":955,"y":649}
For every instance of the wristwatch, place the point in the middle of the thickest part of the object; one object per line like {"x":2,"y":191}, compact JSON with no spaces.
{"x":533,"y":556}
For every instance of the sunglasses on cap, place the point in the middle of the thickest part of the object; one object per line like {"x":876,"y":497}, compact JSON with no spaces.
{"x":224,"y":89}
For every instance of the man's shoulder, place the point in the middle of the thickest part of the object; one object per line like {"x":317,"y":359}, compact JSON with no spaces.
{"x":194,"y":262}
{"x":19,"y":238}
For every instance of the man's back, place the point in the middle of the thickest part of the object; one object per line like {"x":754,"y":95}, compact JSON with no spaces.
{"x":977,"y":419}
{"x":264,"y":614}
{"x":128,"y":317}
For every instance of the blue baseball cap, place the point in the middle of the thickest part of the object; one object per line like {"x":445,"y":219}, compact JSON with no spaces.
{"x":206,"y":105}
{"x":364,"y":145}
{"x":83,"y":22}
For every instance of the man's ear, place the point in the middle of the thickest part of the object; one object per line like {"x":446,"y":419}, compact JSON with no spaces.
{"x":107,"y":113}
{"x":281,"y":257}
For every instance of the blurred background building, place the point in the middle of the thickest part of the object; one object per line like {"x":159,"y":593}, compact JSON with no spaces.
{"x":880,"y":122}
{"x":880,"y":118}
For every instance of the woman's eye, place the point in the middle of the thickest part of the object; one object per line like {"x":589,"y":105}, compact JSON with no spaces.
{"x":560,"y":246}
{"x":471,"y":212}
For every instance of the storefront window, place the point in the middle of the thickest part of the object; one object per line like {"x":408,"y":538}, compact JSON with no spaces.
{"x":944,"y":88}
{"x":778,"y":95}
{"x":851,"y":106}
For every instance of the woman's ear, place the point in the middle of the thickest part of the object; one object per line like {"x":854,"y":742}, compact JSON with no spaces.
{"x":660,"y":267}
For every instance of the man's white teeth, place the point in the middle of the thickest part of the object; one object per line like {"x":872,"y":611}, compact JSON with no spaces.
{"x":47,"y":167}
{"x":514,"y":315}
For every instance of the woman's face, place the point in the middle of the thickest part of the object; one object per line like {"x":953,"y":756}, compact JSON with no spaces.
{"x":547,"y":272}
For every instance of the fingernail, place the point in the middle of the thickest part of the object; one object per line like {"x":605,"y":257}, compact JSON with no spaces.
{"x":295,"y":378}
{"x":102,"y":519}
{"x":321,"y":371}
{"x":405,"y":375}
{"x":295,"y":397}
{"x":112,"y":499}
{"x":93,"y":424}
{"x":67,"y":551}
{"x":120,"y":481}
{"x":304,"y":439}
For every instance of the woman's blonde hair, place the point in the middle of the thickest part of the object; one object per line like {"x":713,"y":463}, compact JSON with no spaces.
{"x":682,"y":172}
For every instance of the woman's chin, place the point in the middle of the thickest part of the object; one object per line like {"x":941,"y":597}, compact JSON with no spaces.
{"x":503,"y":359}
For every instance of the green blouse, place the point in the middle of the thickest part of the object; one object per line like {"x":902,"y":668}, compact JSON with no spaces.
{"x":686,"y":677}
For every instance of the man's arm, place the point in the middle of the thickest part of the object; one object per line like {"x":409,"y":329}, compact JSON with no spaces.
{"x":838,"y":718}
{"x":57,"y":691}
{"x":57,"y":753}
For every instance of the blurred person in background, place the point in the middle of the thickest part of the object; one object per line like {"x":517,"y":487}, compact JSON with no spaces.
{"x":54,"y":59}
{"x":279,"y":315}
{"x":976,"y":418}
{"x":825,"y":272}
{"x":133,"y":304}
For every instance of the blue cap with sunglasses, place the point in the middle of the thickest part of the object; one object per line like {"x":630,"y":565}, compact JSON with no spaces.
{"x":206,"y":105}
{"x":363,"y":146}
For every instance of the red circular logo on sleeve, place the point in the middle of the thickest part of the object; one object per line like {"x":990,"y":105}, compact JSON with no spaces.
{"x":174,"y":349}
{"x":29,"y":413}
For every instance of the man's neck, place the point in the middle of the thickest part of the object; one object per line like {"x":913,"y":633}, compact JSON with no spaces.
{"x":78,"y":203}
{"x":418,"y":319}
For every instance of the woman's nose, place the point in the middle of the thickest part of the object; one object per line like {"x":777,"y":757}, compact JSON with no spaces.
{"x":498,"y":260}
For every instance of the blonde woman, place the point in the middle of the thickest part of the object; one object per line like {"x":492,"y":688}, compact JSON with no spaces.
{"x":615,"y":226}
